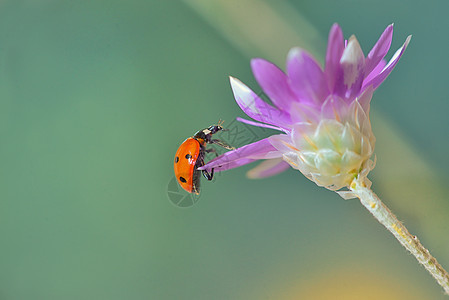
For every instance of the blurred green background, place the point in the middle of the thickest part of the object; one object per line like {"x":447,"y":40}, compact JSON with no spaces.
{"x":95,"y":98}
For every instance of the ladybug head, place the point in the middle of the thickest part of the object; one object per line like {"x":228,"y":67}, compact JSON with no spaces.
{"x":216,"y":128}
{"x":206,"y":133}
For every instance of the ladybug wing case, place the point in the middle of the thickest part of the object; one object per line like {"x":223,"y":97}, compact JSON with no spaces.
{"x":185,"y":165}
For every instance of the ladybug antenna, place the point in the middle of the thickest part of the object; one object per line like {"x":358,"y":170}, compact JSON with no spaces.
{"x":220,"y":124}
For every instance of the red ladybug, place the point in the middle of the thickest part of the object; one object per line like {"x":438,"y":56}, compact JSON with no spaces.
{"x":190,"y":157}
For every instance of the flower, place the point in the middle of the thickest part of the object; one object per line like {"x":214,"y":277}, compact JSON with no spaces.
{"x":323,"y":114}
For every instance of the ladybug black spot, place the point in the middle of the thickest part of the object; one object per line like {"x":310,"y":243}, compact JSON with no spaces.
{"x":182,"y":179}
{"x":176,"y":159}
{"x":188,"y":156}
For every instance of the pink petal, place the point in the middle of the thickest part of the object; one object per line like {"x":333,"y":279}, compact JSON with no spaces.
{"x":304,"y":112}
{"x":267,"y":168}
{"x":260,"y":124}
{"x":282,"y":143}
{"x":335,"y":49}
{"x":334,"y":108}
{"x":241,"y":156}
{"x":379,"y":50}
{"x":307,"y":79}
{"x":256,"y":108}
{"x":353,"y":64}
{"x":229,"y":165}
{"x":376,"y":71}
{"x":376,"y":81}
{"x":273,"y":82}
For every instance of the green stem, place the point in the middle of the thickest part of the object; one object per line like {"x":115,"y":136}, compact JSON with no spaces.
{"x":384,"y":215}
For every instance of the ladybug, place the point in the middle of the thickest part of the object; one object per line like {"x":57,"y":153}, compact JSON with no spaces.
{"x":190,"y":157}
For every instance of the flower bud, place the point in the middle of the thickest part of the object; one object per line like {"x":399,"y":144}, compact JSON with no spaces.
{"x":335,"y":149}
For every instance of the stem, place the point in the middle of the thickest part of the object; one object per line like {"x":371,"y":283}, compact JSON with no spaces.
{"x":410,"y":242}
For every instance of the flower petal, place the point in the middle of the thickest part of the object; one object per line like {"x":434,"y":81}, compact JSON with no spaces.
{"x":229,"y":165}
{"x":256,"y":108}
{"x":365,"y":99}
{"x":273,"y":82}
{"x":260,"y":124}
{"x":304,"y":112}
{"x":327,"y":161}
{"x":283,"y":143}
{"x":353,"y":64}
{"x":306,"y":77}
{"x":347,"y":195}
{"x":359,"y":119}
{"x":258,"y":150}
{"x":302,"y":134}
{"x":335,"y":47}
{"x":376,"y":71}
{"x":376,"y":81}
{"x":267,"y":168}
{"x":334,"y":108}
{"x":379,"y":50}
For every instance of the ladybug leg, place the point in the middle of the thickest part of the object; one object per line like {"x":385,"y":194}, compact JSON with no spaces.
{"x":206,"y":174}
{"x":222,"y":144}
{"x":212,"y":150}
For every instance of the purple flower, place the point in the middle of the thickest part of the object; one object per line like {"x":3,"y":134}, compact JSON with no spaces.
{"x":323,"y":114}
